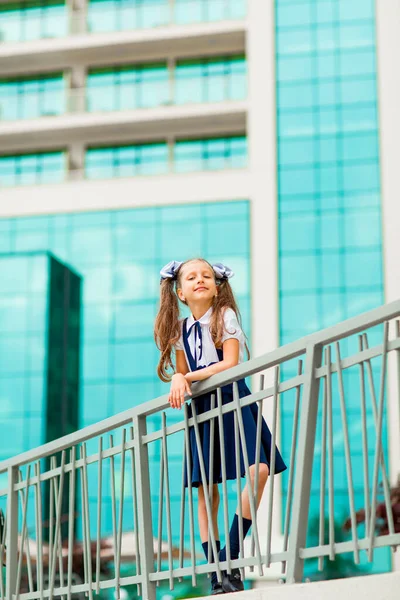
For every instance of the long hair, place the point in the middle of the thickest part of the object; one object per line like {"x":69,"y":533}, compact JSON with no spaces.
{"x":167,"y":329}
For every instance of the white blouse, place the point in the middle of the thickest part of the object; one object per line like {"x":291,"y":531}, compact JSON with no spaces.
{"x":209,"y":352}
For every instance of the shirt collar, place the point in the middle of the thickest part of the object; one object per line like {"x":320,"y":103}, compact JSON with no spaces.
{"x":204,"y":320}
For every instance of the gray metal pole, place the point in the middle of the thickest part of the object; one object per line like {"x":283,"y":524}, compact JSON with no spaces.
{"x":308,"y":420}
{"x":144,"y":523}
{"x":12,"y":533}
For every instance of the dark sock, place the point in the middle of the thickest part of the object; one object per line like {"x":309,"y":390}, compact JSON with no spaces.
{"x":234,"y":538}
{"x":214,"y":578}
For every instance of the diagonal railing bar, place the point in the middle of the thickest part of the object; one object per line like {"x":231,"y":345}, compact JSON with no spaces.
{"x":385,"y":478}
{"x":57,"y":539}
{"x":257,"y":463}
{"x":223,"y":474}
{"x":167,"y":502}
{"x":135,"y":512}
{"x":347,"y":457}
{"x":39,"y":520}
{"x":99,"y":511}
{"x":272,"y":466}
{"x":322,"y":487}
{"x":71,"y":521}
{"x":23,"y":536}
{"x":364,"y":438}
{"x":187,"y":457}
{"x":378,"y":444}
{"x":289,"y":494}
{"x":206,"y":486}
{"x":250,"y":491}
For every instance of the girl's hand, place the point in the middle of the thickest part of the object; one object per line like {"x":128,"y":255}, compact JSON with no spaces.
{"x":179,"y":386}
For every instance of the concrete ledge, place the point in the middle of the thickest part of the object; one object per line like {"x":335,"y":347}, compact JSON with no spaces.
{"x":367,"y":587}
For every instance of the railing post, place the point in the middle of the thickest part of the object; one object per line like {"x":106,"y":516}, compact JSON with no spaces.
{"x":304,"y":462}
{"x":12,"y":534}
{"x":145,"y":523}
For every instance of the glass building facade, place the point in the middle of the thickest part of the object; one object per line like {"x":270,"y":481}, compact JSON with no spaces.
{"x":329,"y":201}
{"x":38,"y":19}
{"x":39,"y":350}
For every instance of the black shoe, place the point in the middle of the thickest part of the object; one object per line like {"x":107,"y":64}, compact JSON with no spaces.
{"x":232,"y":582}
{"x":216,"y":588}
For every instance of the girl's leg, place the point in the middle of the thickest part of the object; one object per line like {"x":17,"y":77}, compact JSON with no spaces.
{"x":203,"y":525}
{"x":263,"y":473}
{"x":202,"y":513}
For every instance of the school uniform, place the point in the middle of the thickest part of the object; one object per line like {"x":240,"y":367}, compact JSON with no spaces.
{"x":200,"y":352}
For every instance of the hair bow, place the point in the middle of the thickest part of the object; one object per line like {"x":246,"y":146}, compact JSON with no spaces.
{"x":170,"y":270}
{"x":222,"y":271}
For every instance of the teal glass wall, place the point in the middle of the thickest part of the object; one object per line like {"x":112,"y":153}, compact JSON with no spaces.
{"x":330,"y":244}
{"x":119,"y":254}
{"x":107,"y":15}
{"x":153,"y":159}
{"x":27,"y":98}
{"x":31,"y":169}
{"x":196,"y":81}
{"x":32,"y":20}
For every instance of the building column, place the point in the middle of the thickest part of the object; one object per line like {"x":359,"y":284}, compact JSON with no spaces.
{"x":261,"y":130}
{"x":388,"y":48}
{"x":77,"y":16}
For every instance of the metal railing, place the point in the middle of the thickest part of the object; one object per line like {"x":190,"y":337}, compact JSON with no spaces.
{"x":77,"y":508}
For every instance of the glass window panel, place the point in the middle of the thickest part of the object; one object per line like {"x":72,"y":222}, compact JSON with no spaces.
{"x":331,"y":267}
{"x":301,"y":309}
{"x":362,"y":268}
{"x":296,"y":96}
{"x":137,"y":359}
{"x":359,"y":147}
{"x":327,"y":93}
{"x":95,"y":361}
{"x":295,"y":68}
{"x":134,"y":320}
{"x":234,"y":240}
{"x":357,"y":9}
{"x":295,"y":41}
{"x":131,"y":240}
{"x":326,"y":64}
{"x":356,"y":63}
{"x":330,"y":227}
{"x":294,"y":14}
{"x":300,"y":181}
{"x":361,"y":177}
{"x":326,"y":11}
{"x":358,"y":90}
{"x":298,"y":232}
{"x":363,"y":229}
{"x":292,"y":124}
{"x":298,"y":273}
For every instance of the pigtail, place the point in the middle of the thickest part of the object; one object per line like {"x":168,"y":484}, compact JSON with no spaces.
{"x":225,"y":299}
{"x":167,"y":328}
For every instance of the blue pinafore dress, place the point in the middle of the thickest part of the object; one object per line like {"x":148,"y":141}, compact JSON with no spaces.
{"x":249,"y":415}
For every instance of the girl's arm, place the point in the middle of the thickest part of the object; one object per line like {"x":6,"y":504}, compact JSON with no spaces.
{"x":181,"y":364}
{"x":231,"y":359}
{"x":179,"y":384}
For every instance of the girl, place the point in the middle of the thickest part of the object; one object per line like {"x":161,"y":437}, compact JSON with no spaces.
{"x":208,"y":342}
